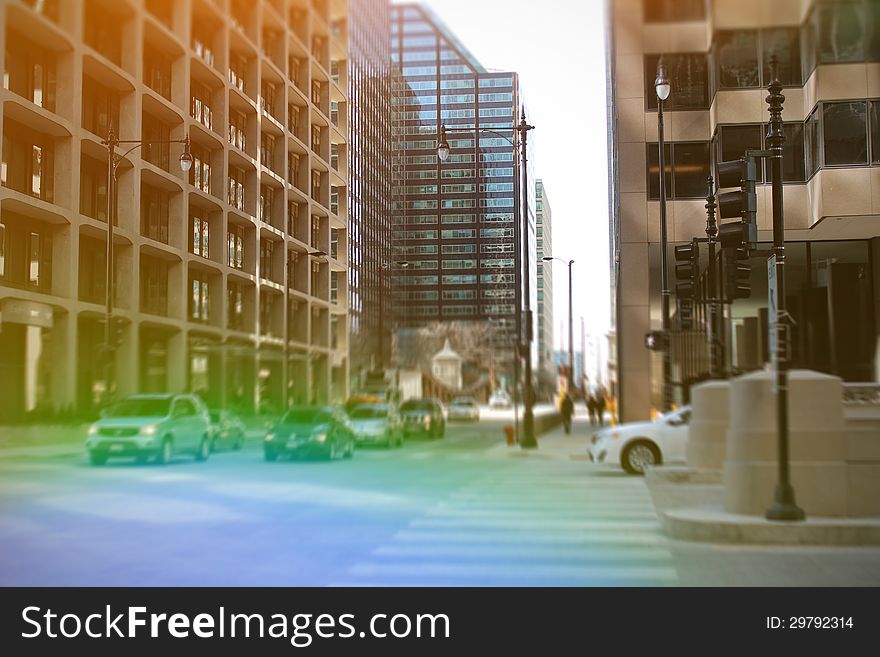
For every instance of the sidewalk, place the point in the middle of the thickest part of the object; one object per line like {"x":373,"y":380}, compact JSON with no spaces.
{"x":42,"y":440}
{"x":555,"y":444}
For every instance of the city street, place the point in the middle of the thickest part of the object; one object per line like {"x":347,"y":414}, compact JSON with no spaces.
{"x":465,"y":510}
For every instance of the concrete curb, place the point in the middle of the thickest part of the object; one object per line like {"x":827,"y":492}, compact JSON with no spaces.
{"x":711,"y":524}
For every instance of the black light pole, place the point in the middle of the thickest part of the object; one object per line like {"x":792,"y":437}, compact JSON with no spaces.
{"x":662,"y":88}
{"x":524,"y":339}
{"x":112,"y":141}
{"x":570,"y":324}
{"x":712,"y":234}
{"x":784,"y":506}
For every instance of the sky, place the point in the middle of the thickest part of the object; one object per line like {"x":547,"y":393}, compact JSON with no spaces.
{"x":558,"y":48}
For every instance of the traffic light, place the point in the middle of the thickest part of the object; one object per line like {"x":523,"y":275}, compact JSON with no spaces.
{"x":737,"y":274}
{"x":742,"y":203}
{"x":687,"y":270}
{"x":685,"y":313}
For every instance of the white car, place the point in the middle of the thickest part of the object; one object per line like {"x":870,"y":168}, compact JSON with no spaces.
{"x":463,"y":408}
{"x":500,"y":399}
{"x":639,"y":445}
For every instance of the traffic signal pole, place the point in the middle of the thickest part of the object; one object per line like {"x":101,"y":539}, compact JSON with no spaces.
{"x":784,"y":506}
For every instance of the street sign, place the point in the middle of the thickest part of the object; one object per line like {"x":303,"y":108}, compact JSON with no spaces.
{"x":772,"y":323}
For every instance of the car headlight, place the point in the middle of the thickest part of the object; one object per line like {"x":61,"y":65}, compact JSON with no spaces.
{"x":149,"y":430}
{"x":93,"y":430}
{"x":319,"y":437}
{"x":269,"y":437}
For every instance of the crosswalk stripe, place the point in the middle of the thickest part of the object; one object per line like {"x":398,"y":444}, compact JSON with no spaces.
{"x":569,"y":552}
{"x":622,"y":539}
{"x":484,"y":571}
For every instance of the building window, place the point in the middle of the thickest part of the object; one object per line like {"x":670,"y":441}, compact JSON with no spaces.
{"x":813,"y":146}
{"x":237,"y":130}
{"x":200,"y":173}
{"x":235,"y":247}
{"x":267,"y":200}
{"x":199,"y":300}
{"x":235,"y":304}
{"x":199,"y":236}
{"x":793,"y":157}
{"x":100,"y":108}
{"x":875,"y":131}
{"x":316,"y":185}
{"x":103,"y":31}
{"x":316,"y":231}
{"x":154,"y":213}
{"x":202,"y":41}
{"x":845,"y":131}
{"x":293,"y":168}
{"x":156,"y":132}
{"x":200,"y":106}
{"x":736,"y":54}
{"x":687,"y":168}
{"x":157,"y":71}
{"x":237,"y":70}
{"x":267,"y":97}
{"x":316,"y":139}
{"x":93,"y":188}
{"x":30,"y":71}
{"x":235,"y":191}
{"x":735,"y":140}
{"x":154,"y":286}
{"x":673,"y":11}
{"x":28,"y":164}
{"x":267,"y":251}
{"x":784,"y":42}
{"x":689,"y":76}
{"x":267,"y":151}
{"x":843,"y":32}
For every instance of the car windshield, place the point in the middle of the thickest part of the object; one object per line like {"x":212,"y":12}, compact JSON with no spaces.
{"x":140,"y":408}
{"x":417,"y":405}
{"x":306,"y":416}
{"x":369,"y":412}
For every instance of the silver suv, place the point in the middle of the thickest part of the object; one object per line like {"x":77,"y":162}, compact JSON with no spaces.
{"x":144,"y":426}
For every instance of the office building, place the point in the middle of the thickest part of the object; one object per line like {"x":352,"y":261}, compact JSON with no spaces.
{"x":717,"y":56}
{"x":214,"y":282}
{"x":544,"y":235}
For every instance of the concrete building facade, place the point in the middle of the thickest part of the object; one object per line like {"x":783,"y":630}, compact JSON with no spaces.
{"x":213,"y":279}
{"x":717,"y":56}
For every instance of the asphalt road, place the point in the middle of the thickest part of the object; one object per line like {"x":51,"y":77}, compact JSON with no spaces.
{"x":465,"y":510}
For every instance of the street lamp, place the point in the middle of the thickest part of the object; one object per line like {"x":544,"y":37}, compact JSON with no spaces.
{"x":112,"y":141}
{"x":570,"y":324}
{"x":524,"y":342}
{"x":662,"y":89}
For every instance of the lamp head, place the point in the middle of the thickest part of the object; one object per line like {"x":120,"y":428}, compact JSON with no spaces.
{"x":442,"y":144}
{"x":186,"y":158}
{"x":661,"y":84}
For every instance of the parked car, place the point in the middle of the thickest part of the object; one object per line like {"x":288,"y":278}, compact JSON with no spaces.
{"x":463,"y":408}
{"x":311,"y":430}
{"x":500,"y":399}
{"x":639,"y":445}
{"x":377,"y":424}
{"x":227,"y":430}
{"x":145,"y":426}
{"x":423,"y":417}
{"x":362,"y":398}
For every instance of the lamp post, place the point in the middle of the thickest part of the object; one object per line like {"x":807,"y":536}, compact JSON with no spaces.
{"x":712,"y":234}
{"x":524,"y":341}
{"x":112,"y":142}
{"x":285,"y":370}
{"x":784,"y":506}
{"x":570,"y":324}
{"x":385,"y":266}
{"x":662,"y":88}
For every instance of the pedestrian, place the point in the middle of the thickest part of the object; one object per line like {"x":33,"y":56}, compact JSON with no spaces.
{"x":600,"y":405}
{"x":592,"y":400}
{"x":567,"y":408}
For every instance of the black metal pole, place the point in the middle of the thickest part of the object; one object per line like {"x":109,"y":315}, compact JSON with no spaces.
{"x":528,"y":439}
{"x":664,"y":271}
{"x":570,"y":334}
{"x":784,"y":506}
{"x":109,"y":351}
{"x":711,"y":233}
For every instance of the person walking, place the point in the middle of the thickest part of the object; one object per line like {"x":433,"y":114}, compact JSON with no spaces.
{"x":590,"y":396}
{"x":567,"y":408}
{"x":600,"y":405}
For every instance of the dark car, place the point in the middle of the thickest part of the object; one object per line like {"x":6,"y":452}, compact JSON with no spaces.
{"x":227,"y":430}
{"x":423,"y":417}
{"x":310,"y":430}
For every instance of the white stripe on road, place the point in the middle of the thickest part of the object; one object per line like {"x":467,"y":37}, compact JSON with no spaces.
{"x":569,"y":552}
{"x":622,"y":539}
{"x":535,"y":523}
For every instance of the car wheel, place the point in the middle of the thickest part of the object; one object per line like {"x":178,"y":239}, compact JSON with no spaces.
{"x":204,"y":449}
{"x":97,"y":458}
{"x":166,"y":452}
{"x":270,"y":454}
{"x":349,"y":451}
{"x":639,"y":455}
